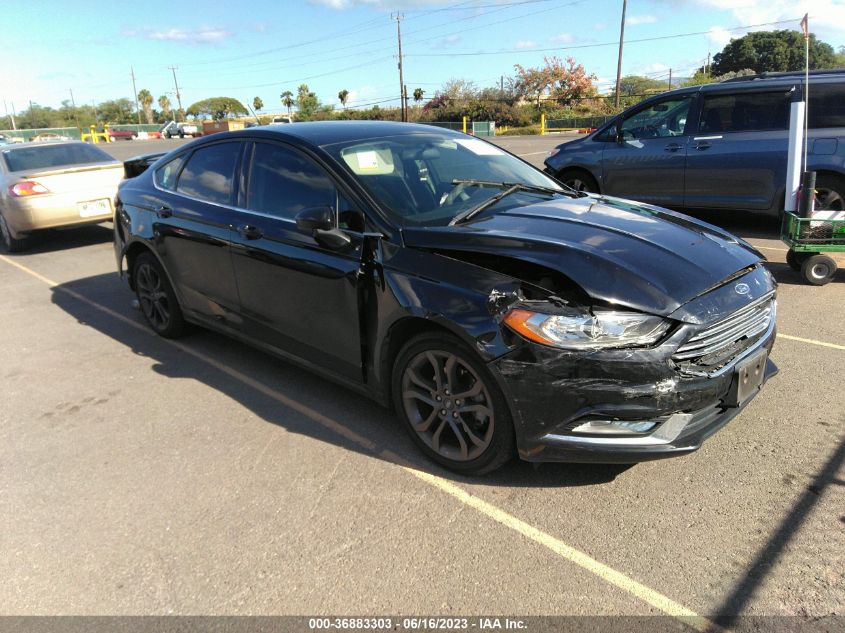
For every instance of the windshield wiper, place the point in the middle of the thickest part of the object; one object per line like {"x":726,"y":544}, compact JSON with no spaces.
{"x":507,"y":189}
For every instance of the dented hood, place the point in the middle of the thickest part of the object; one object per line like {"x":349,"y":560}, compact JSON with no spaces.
{"x":635,"y":255}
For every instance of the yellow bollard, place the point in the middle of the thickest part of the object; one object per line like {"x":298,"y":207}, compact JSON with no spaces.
{"x":542,"y":123}
{"x":465,"y":125}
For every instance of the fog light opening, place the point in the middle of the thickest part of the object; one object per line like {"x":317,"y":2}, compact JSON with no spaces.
{"x":615,"y":427}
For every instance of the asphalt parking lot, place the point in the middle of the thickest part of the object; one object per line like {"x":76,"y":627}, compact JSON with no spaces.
{"x":143,"y":476}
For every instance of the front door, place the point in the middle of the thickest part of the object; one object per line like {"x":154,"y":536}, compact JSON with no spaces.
{"x":647,"y":163}
{"x":295,"y":294}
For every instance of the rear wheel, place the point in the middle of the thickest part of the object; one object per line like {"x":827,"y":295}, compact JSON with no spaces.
{"x":579,"y":180}
{"x":795,"y":260}
{"x":10,"y":244}
{"x":451,"y":405}
{"x":156,"y":297}
{"x":818,"y":270}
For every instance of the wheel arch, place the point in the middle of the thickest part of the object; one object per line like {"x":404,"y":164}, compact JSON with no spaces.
{"x":578,"y":168}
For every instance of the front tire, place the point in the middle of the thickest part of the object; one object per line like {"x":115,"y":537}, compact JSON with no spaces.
{"x":818,"y":270}
{"x":830,"y":193}
{"x":156,"y":297}
{"x":451,"y":406}
{"x":579,"y":180}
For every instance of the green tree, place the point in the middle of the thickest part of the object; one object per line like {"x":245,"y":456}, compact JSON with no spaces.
{"x":164,"y":104}
{"x":342,"y":96}
{"x":116,"y":111}
{"x":772,"y":51}
{"x":287,"y":99}
{"x":145,"y":97}
{"x":257,"y":103}
{"x":306,"y":102}
{"x":418,"y":94}
{"x":217,"y":107}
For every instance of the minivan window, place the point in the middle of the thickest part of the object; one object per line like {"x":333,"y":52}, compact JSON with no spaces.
{"x":665,"y":118}
{"x":827,"y":105}
{"x":283,"y":182}
{"x":210,"y":172}
{"x":745,"y":112}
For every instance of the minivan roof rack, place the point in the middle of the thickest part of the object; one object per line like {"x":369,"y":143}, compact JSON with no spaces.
{"x":784,"y":75}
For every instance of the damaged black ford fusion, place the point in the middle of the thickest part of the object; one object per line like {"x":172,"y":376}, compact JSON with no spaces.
{"x":496,"y":311}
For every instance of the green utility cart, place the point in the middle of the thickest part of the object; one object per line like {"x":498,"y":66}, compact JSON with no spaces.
{"x":808,"y":239}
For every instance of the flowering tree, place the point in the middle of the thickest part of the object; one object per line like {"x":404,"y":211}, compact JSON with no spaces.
{"x":563,"y":81}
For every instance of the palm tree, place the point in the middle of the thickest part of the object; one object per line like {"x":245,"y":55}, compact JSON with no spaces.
{"x":418,"y":94}
{"x":287,"y":100}
{"x":343,"y":95}
{"x":257,"y":103}
{"x":164,"y":104}
{"x":146,"y":99}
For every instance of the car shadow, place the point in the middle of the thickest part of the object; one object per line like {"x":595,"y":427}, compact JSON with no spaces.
{"x":285,"y":395}
{"x":54,"y":240}
{"x":784,"y":275}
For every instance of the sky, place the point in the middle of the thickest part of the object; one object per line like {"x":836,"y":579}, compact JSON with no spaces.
{"x":264,"y":47}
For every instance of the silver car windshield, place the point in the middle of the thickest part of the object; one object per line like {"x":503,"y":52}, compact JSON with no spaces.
{"x":429,"y":179}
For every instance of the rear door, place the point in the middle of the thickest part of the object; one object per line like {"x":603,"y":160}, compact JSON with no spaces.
{"x":295,"y":294}
{"x":737,"y":157}
{"x":647,"y":164}
{"x":192,"y":226}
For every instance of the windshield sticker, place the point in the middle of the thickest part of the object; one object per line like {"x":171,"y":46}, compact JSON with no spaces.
{"x":370,"y":162}
{"x":367,"y":160}
{"x":480,"y":148}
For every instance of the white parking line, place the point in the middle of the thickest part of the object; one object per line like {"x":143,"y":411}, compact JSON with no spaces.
{"x":563,"y":550}
{"x":533,"y":153}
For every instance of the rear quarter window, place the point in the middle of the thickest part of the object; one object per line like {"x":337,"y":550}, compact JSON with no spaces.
{"x":166,"y":175}
{"x":745,"y":112}
{"x":210,"y":172}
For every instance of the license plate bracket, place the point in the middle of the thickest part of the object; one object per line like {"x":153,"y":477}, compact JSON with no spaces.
{"x":748,"y":378}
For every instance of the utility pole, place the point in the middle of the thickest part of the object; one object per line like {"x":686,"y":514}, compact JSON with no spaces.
{"x":178,"y":94}
{"x":502,"y":87}
{"x":75,"y":113}
{"x":401,"y":75}
{"x":707,"y":65}
{"x":135,"y":92}
{"x":12,"y":115}
{"x":670,"y":79}
{"x":405,"y":97}
{"x":621,"y":42}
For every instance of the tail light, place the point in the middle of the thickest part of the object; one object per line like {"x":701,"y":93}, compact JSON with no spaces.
{"x":27,"y":188}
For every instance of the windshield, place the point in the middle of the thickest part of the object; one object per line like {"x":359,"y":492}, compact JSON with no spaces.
{"x":48,"y":156}
{"x":429,"y":179}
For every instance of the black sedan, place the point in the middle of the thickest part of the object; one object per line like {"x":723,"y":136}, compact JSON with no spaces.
{"x":496,"y":311}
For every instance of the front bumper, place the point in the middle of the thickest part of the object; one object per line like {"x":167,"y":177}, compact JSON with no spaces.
{"x":553,"y":391}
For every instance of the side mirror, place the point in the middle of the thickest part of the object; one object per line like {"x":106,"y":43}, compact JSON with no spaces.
{"x":315,"y":218}
{"x":332,"y":238}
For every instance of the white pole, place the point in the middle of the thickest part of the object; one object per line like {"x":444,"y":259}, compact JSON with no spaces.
{"x":806,"y":98}
{"x":793,"y":157}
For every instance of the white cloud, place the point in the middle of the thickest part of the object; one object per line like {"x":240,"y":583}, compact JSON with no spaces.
{"x":600,"y":26}
{"x":202,"y":35}
{"x":451,"y":40}
{"x":633,"y":20}
{"x":718,"y":37}
{"x":525,"y":45}
{"x":562,"y":38}
{"x":653,"y":69}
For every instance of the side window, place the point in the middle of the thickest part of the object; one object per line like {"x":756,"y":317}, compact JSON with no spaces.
{"x":666,"y":118}
{"x":827,"y":105}
{"x":210,"y":172}
{"x":165,"y":176}
{"x":283,"y":182}
{"x":748,"y":112}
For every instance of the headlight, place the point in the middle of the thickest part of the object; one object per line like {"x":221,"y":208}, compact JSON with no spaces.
{"x":588,"y":331}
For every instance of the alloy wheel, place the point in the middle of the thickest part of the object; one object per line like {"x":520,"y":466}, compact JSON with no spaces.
{"x":829,"y":200}
{"x":448,"y":405}
{"x":152,"y":296}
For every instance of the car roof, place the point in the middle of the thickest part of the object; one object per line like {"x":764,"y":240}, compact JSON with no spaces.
{"x":321,"y":133}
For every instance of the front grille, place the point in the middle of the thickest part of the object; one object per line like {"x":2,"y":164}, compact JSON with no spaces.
{"x":729,"y":337}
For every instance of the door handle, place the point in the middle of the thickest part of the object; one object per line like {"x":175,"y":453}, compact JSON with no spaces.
{"x":702,"y":145}
{"x":250,"y":232}
{"x":164,"y":211}
{"x":673,"y":147}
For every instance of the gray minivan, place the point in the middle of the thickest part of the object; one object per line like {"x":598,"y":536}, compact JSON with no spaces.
{"x":716,"y":146}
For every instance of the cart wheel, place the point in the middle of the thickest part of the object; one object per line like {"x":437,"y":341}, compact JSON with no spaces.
{"x":796,"y":260}
{"x":818,"y":270}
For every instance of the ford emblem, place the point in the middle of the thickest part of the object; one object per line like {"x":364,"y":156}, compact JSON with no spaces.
{"x":742,"y":289}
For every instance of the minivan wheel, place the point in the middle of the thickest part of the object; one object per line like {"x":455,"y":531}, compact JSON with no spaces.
{"x":818,"y":270}
{"x":830,"y":193}
{"x":156,"y":297}
{"x":451,"y":406}
{"x":10,"y":244}
{"x":579,"y":180}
